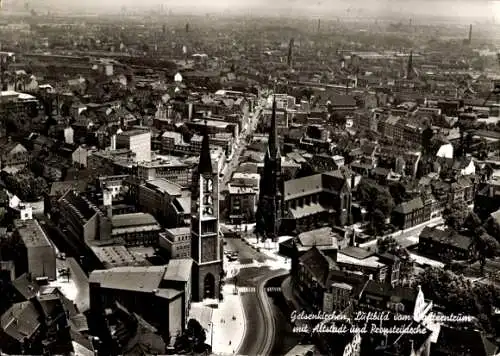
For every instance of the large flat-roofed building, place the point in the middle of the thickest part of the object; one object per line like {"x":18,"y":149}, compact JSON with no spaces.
{"x":213,"y":126}
{"x":135,"y":228}
{"x":176,"y":242}
{"x":111,"y":256}
{"x":138,"y":141}
{"x":167,"y":167}
{"x":159,"y":294}
{"x":164,"y":200}
{"x":38,"y":256}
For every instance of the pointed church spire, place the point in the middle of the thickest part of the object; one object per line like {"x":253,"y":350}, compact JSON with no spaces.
{"x":409,"y":71}
{"x":273,"y":144}
{"x":205,"y":163}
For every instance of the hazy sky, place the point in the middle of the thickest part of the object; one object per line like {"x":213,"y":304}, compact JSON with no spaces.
{"x":452,"y":8}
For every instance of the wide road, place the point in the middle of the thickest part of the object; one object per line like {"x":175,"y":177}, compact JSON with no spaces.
{"x":250,"y":281}
{"x":235,"y":161}
{"x":260,"y":320}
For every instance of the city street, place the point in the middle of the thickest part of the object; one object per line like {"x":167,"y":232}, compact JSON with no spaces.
{"x":250,"y":273}
{"x":245,"y":253}
{"x":406,"y":237}
{"x":260,"y":320}
{"x":233,"y":164}
{"x":77,"y":287}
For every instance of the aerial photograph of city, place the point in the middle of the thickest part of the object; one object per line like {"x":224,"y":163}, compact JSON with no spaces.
{"x":236,"y":177}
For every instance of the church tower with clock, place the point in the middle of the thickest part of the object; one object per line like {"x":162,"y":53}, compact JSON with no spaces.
{"x":206,"y":244}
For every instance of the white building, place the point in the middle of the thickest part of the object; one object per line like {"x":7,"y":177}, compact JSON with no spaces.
{"x":138,"y":141}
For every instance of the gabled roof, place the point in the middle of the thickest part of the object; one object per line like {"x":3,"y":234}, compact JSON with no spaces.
{"x":409,"y":206}
{"x":318,"y":264}
{"x":20,"y":321}
{"x":448,"y":237}
{"x":6,"y":146}
{"x":323,"y":237}
{"x":25,"y":287}
{"x":496,"y":216}
{"x":59,"y":188}
{"x":332,"y":181}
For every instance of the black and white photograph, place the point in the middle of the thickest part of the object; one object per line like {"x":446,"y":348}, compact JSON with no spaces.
{"x":256,"y":178}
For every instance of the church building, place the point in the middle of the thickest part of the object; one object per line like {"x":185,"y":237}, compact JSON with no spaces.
{"x":206,"y":242}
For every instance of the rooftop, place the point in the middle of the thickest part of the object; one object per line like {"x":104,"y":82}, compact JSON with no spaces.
{"x":176,"y":231}
{"x":163,"y":161}
{"x":179,"y":270}
{"x":142,"y":279}
{"x":164,"y":186}
{"x":80,"y":205}
{"x":319,"y":237}
{"x":134,"y":132}
{"x":133,"y":219}
{"x":114,"y":255}
{"x":32,"y":233}
{"x":20,"y":321}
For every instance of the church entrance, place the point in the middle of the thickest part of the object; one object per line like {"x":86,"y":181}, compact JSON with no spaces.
{"x":209,"y":286}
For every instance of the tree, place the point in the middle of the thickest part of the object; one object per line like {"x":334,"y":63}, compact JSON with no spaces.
{"x":305,"y":170}
{"x":193,"y":339}
{"x":454,"y":215}
{"x":472,"y":222}
{"x":493,"y":227}
{"x":388,"y":244}
{"x":398,"y":192}
{"x":378,"y":221}
{"x":487,"y":246}
{"x":374,"y":196}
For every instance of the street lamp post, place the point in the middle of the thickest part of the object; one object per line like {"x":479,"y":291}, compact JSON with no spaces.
{"x":211,"y":324}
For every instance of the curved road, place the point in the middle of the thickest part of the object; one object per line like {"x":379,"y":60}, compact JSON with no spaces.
{"x":267,"y":346}
{"x":260,"y":330}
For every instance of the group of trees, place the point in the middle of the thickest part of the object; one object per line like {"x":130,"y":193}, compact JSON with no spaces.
{"x":459,"y":217}
{"x":26,"y":186}
{"x":378,"y":202}
{"x":193,"y":339}
{"x":459,"y":295}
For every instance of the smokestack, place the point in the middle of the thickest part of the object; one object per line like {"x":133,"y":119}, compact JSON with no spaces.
{"x":290,"y":53}
{"x":319,"y":25}
{"x":470,"y":33}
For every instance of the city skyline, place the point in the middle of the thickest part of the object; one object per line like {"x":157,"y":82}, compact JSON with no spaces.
{"x":459,"y":10}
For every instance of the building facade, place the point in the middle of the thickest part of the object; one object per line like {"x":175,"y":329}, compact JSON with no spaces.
{"x":176,"y":242}
{"x":206,"y":244}
{"x":38,"y":253}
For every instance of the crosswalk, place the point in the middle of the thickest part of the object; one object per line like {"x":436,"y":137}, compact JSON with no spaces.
{"x":243,"y":290}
